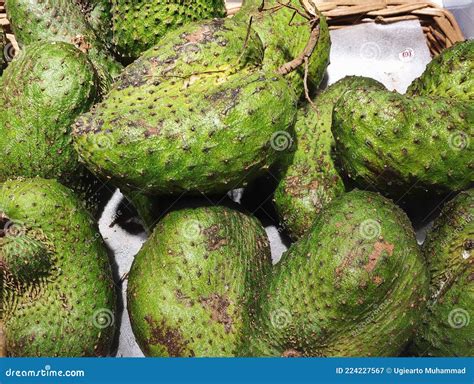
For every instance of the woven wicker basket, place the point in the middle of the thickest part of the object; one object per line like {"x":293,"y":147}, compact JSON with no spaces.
{"x":439,"y":25}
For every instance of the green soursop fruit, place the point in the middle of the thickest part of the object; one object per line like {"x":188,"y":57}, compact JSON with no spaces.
{"x":355,"y":285}
{"x":285,"y":34}
{"x":139,"y":25}
{"x":451,"y":74}
{"x":206,"y":127}
{"x":59,"y":20}
{"x":57,"y":291}
{"x":398,"y":144}
{"x":448,"y":328}
{"x":311,"y":180}
{"x":45,"y":89}
{"x":209,"y":49}
{"x":192,"y":286}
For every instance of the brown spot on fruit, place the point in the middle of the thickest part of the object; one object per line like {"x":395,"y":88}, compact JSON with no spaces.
{"x":218,"y":305}
{"x":348,"y":261}
{"x":379,"y":248}
{"x":80,"y":42}
{"x":214,"y":241}
{"x":183,"y":298}
{"x":197,"y":36}
{"x":378,"y":280}
{"x":162,"y":334}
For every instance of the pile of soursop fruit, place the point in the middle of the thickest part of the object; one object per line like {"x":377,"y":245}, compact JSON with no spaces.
{"x":170,"y":99}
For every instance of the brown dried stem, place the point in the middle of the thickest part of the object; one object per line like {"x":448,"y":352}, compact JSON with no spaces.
{"x":306,"y":54}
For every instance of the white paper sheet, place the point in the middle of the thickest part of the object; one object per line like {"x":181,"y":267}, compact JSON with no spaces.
{"x":394,"y":54}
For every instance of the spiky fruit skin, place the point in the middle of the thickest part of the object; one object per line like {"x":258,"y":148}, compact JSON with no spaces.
{"x":398,"y":144}
{"x":310,"y":181}
{"x":44,"y":90}
{"x":310,"y":178}
{"x":199,"y":139}
{"x":448,"y":329}
{"x":353,"y":286}
{"x":196,"y":51}
{"x":58,"y":20}
{"x":139,"y":25}
{"x":451,"y":74}
{"x":59,"y":301}
{"x":206,"y":127}
{"x":192,"y":287}
{"x":285,"y":35}
{"x":99,"y":15}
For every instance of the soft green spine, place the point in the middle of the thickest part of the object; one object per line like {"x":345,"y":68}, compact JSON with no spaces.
{"x":396,"y":143}
{"x":447,"y":328}
{"x":138,"y":25}
{"x":450,"y":74}
{"x":310,"y":178}
{"x":61,"y":20}
{"x":192,"y":287}
{"x":65,"y":304}
{"x":44,"y":90}
{"x":355,"y":285}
